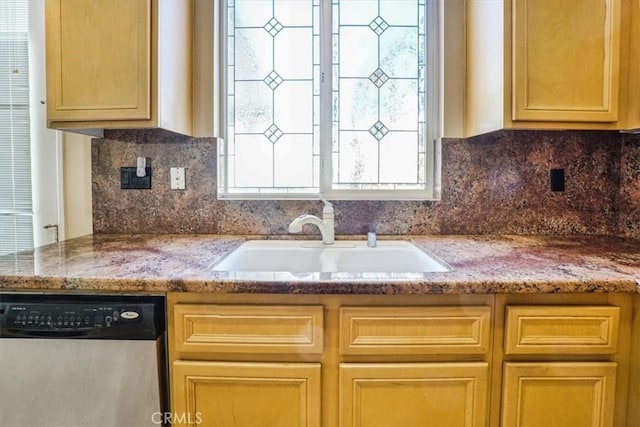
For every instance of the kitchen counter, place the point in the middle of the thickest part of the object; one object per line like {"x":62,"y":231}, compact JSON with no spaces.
{"x":481,"y":265}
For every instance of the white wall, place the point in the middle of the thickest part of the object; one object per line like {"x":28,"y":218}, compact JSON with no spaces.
{"x":76,"y":155}
{"x":46,"y":172}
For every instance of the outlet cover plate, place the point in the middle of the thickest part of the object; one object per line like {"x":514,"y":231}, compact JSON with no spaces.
{"x":177,"y":178}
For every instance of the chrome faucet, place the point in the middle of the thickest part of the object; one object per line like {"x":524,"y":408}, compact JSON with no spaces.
{"x":325,"y":225}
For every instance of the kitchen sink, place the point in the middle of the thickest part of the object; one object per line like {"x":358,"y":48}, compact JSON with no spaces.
{"x":344,"y":256}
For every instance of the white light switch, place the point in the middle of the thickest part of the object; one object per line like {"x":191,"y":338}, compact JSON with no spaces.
{"x":177,"y":178}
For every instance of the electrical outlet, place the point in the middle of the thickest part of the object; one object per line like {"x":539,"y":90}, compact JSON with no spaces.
{"x":556,"y":179}
{"x":177,"y":178}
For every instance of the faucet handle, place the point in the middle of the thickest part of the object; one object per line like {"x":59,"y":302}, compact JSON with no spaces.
{"x":328,"y":206}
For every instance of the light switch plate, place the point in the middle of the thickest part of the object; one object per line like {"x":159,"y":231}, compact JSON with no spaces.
{"x":177,"y":178}
{"x":129,"y":179}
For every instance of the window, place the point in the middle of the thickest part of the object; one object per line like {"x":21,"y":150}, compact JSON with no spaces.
{"x":329,"y":96}
{"x":16,"y":216}
{"x":30,"y":193}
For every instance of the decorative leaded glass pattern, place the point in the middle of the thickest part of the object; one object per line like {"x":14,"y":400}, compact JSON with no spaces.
{"x":360,"y":104}
{"x":379,"y":97}
{"x":273,"y":27}
{"x":273,"y":80}
{"x":273,"y":133}
{"x":378,"y":25}
{"x":272,"y":58}
{"x":378,"y":78}
{"x":378,"y":130}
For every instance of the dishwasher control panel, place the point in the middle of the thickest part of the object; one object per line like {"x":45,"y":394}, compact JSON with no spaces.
{"x":102,"y":318}
{"x":70,"y":316}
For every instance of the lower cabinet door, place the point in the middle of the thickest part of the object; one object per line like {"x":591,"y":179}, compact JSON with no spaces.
{"x":577,"y":394}
{"x":413,"y":394}
{"x":245,"y":394}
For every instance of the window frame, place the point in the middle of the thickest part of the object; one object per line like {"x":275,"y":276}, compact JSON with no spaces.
{"x":433,"y":108}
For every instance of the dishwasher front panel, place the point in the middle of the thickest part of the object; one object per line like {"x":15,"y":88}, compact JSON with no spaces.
{"x":80,"y":383}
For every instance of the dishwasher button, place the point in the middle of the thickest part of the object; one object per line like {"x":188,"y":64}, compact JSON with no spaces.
{"x":129,"y":315}
{"x":116,"y":316}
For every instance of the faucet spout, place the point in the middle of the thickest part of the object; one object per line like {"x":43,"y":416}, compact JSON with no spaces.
{"x":296,"y":224}
{"x":325,"y":225}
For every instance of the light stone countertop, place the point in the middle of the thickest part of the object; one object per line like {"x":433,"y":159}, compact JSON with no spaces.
{"x":481,"y":265}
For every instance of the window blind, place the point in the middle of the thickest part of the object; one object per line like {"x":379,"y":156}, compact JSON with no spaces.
{"x":16,"y":209}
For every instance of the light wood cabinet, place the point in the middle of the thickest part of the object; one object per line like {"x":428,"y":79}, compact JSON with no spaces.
{"x":566,"y":60}
{"x":246,"y":365}
{"x":246,"y":394}
{"x":546,"y":64}
{"x":550,"y":329}
{"x":395,"y":393}
{"x":414,"y":330}
{"x":633,"y":414}
{"x":119,"y":64}
{"x":252,"y":329}
{"x":559,"y":394}
{"x":512,"y":360}
{"x":634,"y":67}
{"x":564,"y":360}
{"x":413,"y":394}
{"x":381,"y":360}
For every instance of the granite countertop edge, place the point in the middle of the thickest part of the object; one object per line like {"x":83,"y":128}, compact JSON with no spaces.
{"x":482,"y":264}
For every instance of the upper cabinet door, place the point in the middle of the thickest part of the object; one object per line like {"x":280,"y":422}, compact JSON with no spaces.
{"x":566,"y":58}
{"x":98,"y":59}
{"x":634,"y":67}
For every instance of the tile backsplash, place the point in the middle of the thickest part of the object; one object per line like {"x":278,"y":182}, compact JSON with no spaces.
{"x":496,"y":183}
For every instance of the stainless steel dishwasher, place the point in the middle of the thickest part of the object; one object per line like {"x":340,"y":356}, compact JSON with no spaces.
{"x":76,"y":361}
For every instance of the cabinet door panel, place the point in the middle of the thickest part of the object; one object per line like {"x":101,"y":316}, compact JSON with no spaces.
{"x":246,"y":394}
{"x":558,"y":394}
{"x":249,"y":329}
{"x":98,"y":59}
{"x":414,"y":330}
{"x":561,"y":329}
{"x":634,"y":67}
{"x":413,"y":394}
{"x":566,"y":60}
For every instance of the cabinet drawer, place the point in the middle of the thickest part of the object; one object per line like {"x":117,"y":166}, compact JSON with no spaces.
{"x":210,"y":328}
{"x":414,"y":330}
{"x":561,"y":329}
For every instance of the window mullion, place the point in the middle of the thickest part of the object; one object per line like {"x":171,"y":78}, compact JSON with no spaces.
{"x":326,"y":88}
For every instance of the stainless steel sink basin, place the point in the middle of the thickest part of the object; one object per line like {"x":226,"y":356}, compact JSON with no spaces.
{"x":302,"y":256}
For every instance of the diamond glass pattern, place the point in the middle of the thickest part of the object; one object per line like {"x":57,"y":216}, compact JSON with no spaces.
{"x":273,"y":80}
{"x":378,"y":77}
{"x":378,"y":25}
{"x":378,"y":130}
{"x":273,"y":27}
{"x":273,"y":133}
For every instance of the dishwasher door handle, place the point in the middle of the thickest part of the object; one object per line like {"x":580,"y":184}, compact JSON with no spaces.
{"x":26,"y":333}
